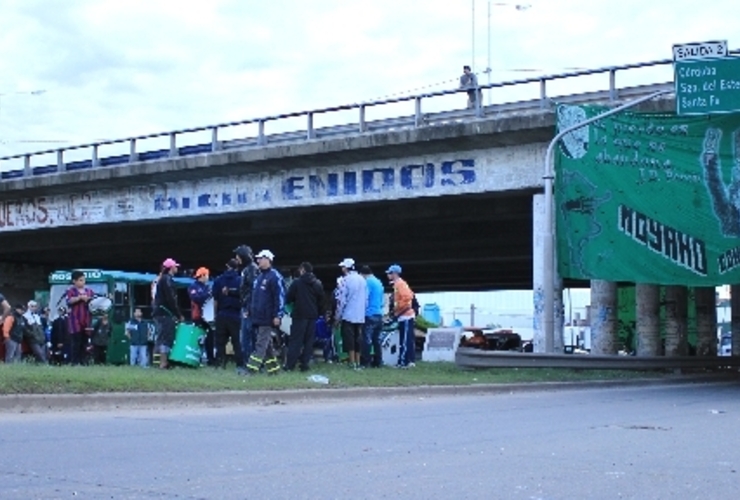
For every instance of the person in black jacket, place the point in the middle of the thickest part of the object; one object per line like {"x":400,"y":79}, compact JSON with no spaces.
{"x":227,"y":308}
{"x":307,"y":296}
{"x":249,"y":271}
{"x":59,"y":337}
{"x":166,"y":311}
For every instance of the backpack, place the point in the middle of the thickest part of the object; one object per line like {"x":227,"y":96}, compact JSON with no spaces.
{"x":415,"y":305}
{"x":19,"y":327}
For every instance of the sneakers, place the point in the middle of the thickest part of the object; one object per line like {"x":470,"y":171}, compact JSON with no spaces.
{"x":242,"y":372}
{"x":411,"y":365}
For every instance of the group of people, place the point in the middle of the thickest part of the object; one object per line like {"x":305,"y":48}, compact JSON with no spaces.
{"x":250,"y":300}
{"x":71,"y":338}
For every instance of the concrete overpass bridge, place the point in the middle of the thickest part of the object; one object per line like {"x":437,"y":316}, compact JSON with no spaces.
{"x":448,"y":194}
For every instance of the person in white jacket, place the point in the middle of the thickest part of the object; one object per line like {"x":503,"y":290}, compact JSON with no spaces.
{"x":351,"y":305}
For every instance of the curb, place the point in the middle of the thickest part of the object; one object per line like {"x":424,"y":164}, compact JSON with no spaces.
{"x":39,"y":403}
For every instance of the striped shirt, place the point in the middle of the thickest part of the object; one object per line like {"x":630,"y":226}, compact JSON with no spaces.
{"x":79,"y":314}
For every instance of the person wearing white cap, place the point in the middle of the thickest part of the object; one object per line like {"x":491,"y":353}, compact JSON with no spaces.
{"x":266,"y":310}
{"x":166,"y":311}
{"x":351,"y":311}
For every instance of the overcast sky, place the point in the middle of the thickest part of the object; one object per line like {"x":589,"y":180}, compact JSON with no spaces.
{"x":80,"y":70}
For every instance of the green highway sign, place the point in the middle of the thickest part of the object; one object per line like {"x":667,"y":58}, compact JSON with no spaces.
{"x":707,"y":86}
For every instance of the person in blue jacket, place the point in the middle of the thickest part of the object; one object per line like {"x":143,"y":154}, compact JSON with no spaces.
{"x":227,"y":307}
{"x":266,"y":311}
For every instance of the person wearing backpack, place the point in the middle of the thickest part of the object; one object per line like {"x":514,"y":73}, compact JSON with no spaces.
{"x":14,"y":325}
{"x":100,"y":338}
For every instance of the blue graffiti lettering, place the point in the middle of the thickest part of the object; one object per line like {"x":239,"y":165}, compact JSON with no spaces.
{"x":204,"y":200}
{"x":425,"y":171}
{"x":185,"y":202}
{"x":290,"y":186}
{"x":225,"y":199}
{"x":463,"y":170}
{"x":350,"y":183}
{"x":159,"y":203}
{"x":241,"y":198}
{"x":387,"y":176}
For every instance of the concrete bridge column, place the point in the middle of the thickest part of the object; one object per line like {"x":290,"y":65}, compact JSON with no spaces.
{"x":735,"y":318}
{"x":604,"y":338}
{"x":706,"y":321}
{"x":538,"y":285}
{"x":18,"y":282}
{"x":676,"y":321}
{"x":648,"y":319}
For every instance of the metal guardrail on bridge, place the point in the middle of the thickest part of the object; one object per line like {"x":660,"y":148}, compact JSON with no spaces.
{"x":416,"y":120}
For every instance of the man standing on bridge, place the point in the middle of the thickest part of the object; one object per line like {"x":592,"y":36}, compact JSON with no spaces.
{"x":266,"y":310}
{"x":469,"y":81}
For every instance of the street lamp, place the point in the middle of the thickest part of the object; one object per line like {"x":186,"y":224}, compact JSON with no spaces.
{"x":488,"y":70}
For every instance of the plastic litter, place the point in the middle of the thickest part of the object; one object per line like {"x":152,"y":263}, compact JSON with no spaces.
{"x":318,"y":379}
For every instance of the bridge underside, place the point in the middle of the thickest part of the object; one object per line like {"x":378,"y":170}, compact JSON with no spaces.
{"x":445,"y":243}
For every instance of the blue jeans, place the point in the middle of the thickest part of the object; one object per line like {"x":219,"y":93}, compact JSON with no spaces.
{"x":138,"y":354}
{"x":407,"y":342}
{"x":246,"y":337}
{"x":371,"y":340}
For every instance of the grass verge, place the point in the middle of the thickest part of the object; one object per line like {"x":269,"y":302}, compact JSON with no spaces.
{"x":35,"y":379}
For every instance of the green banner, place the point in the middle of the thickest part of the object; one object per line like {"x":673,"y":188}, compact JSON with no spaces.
{"x":649,"y":198}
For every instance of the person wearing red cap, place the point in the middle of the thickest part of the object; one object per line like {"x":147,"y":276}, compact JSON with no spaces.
{"x":166,"y":311}
{"x":199,"y":293}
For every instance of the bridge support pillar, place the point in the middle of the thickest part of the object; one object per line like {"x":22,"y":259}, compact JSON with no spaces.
{"x":735,"y":318}
{"x":541,"y":344}
{"x":604,"y":332}
{"x":706,"y":321}
{"x":18,"y":282}
{"x":676,"y":321}
{"x":648,"y":319}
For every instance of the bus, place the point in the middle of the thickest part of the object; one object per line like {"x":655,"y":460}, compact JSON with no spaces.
{"x":127,"y":291}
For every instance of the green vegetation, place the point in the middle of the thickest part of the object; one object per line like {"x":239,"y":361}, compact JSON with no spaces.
{"x":35,"y":379}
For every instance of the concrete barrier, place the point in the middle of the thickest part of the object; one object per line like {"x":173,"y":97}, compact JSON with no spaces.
{"x":476,"y":358}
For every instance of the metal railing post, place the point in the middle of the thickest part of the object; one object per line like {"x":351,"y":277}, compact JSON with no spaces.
{"x":27,"y":166}
{"x":132,"y":156}
{"x":95,"y":161}
{"x":261,"y":139}
{"x":417,"y":112}
{"x":613,"y":84}
{"x":543,"y":93}
{"x":214,"y":139}
{"x":309,"y":127}
{"x":362,"y":118}
{"x":61,"y":167}
{"x":478,"y":107}
{"x":173,"y":145}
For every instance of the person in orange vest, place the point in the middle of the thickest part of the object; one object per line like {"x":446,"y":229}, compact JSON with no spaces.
{"x":403,"y":311}
{"x":199,"y":292}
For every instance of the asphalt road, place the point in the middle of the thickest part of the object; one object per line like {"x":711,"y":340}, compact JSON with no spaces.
{"x":659,"y":442}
